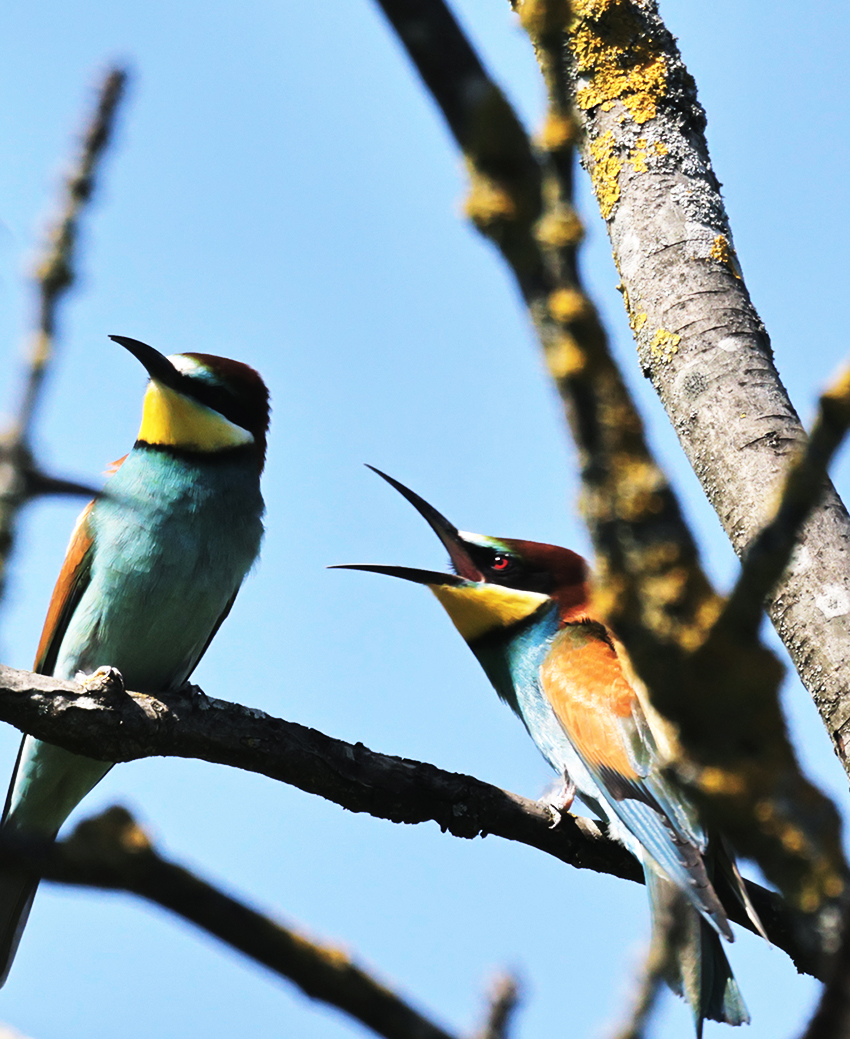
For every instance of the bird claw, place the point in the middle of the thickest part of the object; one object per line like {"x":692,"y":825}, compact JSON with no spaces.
{"x":105,"y":679}
{"x":560,"y":800}
{"x":194,"y":692}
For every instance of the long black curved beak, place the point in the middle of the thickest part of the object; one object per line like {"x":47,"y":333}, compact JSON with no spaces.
{"x":445,"y":531}
{"x":406,"y":573}
{"x":156,"y":364}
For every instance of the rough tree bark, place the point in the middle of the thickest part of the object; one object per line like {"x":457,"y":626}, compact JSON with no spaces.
{"x":104,"y":721}
{"x":699,"y":337}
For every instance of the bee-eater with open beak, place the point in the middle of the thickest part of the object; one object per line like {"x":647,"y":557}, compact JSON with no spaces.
{"x":152,"y":570}
{"x":525,"y":610}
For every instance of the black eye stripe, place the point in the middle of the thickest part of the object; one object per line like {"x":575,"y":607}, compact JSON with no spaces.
{"x":218,"y":398}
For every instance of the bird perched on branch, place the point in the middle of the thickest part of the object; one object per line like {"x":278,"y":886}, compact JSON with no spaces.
{"x":152,"y":570}
{"x":525,"y":611}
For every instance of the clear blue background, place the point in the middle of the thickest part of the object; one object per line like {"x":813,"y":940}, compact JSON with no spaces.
{"x":282,"y":191}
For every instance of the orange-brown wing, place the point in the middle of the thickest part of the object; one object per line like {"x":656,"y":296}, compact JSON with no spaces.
{"x":593,"y":700}
{"x":602,"y":717}
{"x":72,"y":582}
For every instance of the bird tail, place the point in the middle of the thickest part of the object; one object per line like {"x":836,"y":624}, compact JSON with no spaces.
{"x":17,"y":891}
{"x":697,"y":967}
{"x":48,"y":782}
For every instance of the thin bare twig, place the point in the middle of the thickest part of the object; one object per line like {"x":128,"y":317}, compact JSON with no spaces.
{"x":667,"y":932}
{"x":21,"y":477}
{"x":111,"y":725}
{"x":505,"y":997}
{"x":54,"y":272}
{"x":112,"y":851}
{"x":805,"y":483}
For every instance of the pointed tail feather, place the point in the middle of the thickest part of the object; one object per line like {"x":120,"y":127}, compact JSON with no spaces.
{"x":710,"y":986}
{"x":698,"y":970}
{"x":17,"y":891}
{"x":47,"y":784}
{"x":728,"y":869}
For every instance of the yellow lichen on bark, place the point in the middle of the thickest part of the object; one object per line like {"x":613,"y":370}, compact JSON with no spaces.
{"x":835,"y":402}
{"x":637,"y":319}
{"x":637,"y":156}
{"x":605,"y":172}
{"x":616,"y":58}
{"x":664,"y":345}
{"x":542,"y":17}
{"x":723,"y":252}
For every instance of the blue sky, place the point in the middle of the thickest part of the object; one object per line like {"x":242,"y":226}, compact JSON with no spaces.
{"x":283,"y":192}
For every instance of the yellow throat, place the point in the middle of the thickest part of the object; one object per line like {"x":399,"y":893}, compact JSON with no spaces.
{"x":476,"y":609}
{"x":170,"y":419}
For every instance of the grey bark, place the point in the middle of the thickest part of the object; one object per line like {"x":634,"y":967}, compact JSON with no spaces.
{"x":699,"y":337}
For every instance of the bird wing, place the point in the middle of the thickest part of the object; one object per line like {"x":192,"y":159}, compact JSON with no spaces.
{"x":73,"y":580}
{"x":222,"y":618}
{"x":601,"y":715}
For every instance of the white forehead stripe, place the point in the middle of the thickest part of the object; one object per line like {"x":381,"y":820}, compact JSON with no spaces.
{"x":184,"y":364}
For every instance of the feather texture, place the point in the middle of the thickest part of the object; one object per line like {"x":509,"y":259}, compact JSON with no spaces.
{"x":152,"y":569}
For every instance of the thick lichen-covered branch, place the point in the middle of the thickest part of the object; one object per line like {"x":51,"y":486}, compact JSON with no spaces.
{"x":698,"y":335}
{"x":650,"y":584}
{"x":103,"y":721}
{"x":112,"y":851}
{"x":634,"y":517}
{"x":649,"y":578}
{"x":728,"y":727}
{"x":21,"y":477}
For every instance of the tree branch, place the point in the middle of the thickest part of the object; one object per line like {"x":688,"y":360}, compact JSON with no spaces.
{"x":505,"y":996}
{"x":669,"y":930}
{"x":21,"y":477}
{"x":650,"y":584}
{"x":699,"y":337}
{"x":832,"y":1017}
{"x":736,"y":749}
{"x":104,"y":722}
{"x":112,"y":851}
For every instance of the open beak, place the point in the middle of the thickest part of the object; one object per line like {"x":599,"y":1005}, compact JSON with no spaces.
{"x":445,"y":531}
{"x":157,"y":365}
{"x":407,"y":573}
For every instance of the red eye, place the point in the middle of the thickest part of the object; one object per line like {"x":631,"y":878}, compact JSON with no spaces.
{"x":500,"y":563}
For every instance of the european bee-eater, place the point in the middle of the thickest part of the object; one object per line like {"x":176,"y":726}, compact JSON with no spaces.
{"x":525,"y":610}
{"x":152,"y":570}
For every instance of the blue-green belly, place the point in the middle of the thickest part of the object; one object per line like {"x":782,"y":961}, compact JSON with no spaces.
{"x":173,"y":542}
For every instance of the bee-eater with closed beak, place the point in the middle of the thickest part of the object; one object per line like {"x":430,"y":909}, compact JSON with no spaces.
{"x":152,"y":570}
{"x":525,"y":611}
